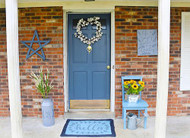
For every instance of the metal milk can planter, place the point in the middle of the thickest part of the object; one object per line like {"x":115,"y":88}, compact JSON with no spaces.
{"x":44,"y":86}
{"x":48,"y":112}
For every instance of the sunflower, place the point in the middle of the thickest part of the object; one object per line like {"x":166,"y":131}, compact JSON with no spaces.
{"x":141,"y":83}
{"x":126,"y":82}
{"x":135,"y":86}
{"x":132,"y":81}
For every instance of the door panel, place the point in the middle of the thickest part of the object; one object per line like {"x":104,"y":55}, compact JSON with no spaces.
{"x":78,"y":52}
{"x":99,"y":87}
{"x":89,"y":78}
{"x":100,"y":51}
{"x":80,"y":83}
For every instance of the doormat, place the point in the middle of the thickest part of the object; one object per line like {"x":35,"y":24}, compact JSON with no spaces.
{"x":89,"y":128}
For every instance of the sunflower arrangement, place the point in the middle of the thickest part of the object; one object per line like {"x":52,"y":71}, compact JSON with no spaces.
{"x":133,"y":88}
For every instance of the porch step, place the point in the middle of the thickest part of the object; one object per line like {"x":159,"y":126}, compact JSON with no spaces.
{"x":89,"y":115}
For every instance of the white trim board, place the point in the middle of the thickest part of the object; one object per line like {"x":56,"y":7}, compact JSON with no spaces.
{"x":65,"y":48}
{"x":65,"y":60}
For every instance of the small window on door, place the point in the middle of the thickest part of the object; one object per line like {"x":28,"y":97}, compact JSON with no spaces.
{"x":102,"y":21}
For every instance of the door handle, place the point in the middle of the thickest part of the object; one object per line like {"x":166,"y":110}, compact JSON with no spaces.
{"x":108,"y":67}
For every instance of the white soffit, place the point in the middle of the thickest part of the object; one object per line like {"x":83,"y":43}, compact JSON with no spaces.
{"x":25,"y":1}
{"x":77,"y":4}
{"x":32,"y":1}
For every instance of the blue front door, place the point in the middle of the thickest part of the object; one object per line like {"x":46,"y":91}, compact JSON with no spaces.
{"x":89,"y":77}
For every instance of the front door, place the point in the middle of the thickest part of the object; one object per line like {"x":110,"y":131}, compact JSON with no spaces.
{"x":89,"y":74}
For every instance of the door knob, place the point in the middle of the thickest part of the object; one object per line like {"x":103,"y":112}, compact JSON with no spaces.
{"x":108,"y":67}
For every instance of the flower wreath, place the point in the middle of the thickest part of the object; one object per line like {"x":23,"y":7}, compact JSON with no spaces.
{"x":82,"y":23}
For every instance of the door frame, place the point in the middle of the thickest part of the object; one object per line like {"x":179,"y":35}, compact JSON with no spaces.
{"x":65,"y":54}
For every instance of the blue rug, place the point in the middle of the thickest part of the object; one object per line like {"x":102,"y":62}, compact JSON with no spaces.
{"x":89,"y":128}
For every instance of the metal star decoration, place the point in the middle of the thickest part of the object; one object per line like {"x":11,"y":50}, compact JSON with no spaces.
{"x":40,"y":46}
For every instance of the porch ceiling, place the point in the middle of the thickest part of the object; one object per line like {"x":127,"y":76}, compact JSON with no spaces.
{"x":97,"y":4}
{"x":34,"y":1}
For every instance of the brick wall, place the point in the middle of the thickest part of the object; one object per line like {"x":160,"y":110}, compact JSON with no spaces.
{"x":128,"y":21}
{"x":178,"y":101}
{"x":4,"y":97}
{"x":49,"y":23}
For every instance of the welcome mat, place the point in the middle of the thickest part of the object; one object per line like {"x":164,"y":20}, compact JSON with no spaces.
{"x":89,"y":128}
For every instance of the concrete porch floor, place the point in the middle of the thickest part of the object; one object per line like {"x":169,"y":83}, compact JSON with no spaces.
{"x":177,"y":127}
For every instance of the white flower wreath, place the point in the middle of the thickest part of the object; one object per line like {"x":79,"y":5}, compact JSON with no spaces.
{"x":82,"y":23}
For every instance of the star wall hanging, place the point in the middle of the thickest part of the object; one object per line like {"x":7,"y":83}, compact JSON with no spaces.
{"x":40,"y":48}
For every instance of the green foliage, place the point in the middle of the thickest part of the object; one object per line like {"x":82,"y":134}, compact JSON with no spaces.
{"x":42,"y":83}
{"x":132,"y":87}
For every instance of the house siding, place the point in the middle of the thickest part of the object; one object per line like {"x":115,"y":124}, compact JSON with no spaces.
{"x":49,"y":23}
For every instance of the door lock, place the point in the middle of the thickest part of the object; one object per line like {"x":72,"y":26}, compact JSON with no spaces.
{"x":108,"y":67}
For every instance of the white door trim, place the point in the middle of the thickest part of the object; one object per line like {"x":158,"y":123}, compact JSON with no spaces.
{"x":65,"y":56}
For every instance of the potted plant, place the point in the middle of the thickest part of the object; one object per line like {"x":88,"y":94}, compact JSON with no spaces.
{"x":133,"y":89}
{"x":44,"y":86}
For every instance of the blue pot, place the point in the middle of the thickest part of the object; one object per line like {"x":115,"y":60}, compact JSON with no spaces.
{"x":48,"y":112}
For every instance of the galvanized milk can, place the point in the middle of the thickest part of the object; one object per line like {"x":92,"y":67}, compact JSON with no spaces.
{"x":48,"y":112}
{"x":132,"y":121}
